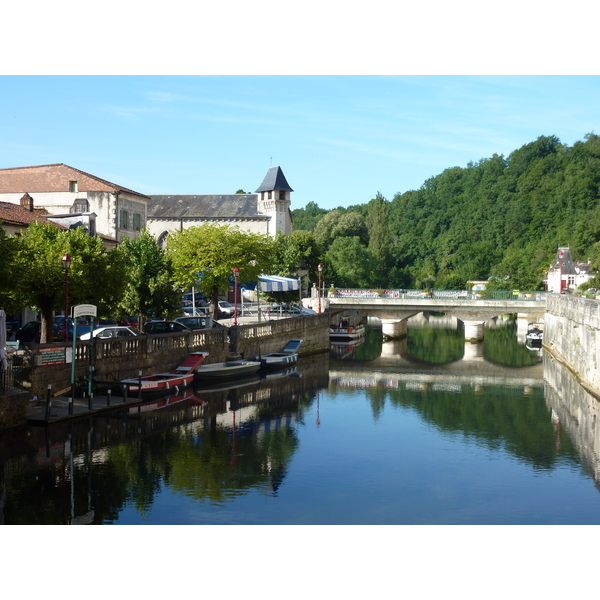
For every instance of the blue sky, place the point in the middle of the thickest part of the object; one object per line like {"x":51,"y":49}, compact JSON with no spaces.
{"x":338,"y":139}
{"x":203,"y":98}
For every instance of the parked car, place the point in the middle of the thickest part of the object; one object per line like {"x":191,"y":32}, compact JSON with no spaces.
{"x":30,"y":332}
{"x":115,"y":331}
{"x":128,"y":322}
{"x":154,"y":327}
{"x":289,"y":310}
{"x":198,"y":322}
{"x":226,"y":310}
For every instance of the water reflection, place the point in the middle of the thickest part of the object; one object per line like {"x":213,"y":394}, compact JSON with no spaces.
{"x":208,"y":443}
{"x":574,"y":411}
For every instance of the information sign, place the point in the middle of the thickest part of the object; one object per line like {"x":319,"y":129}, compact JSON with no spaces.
{"x":85,"y":310}
{"x":52,"y":356}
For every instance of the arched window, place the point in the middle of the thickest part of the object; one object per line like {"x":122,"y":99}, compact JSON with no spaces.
{"x":162,"y":239}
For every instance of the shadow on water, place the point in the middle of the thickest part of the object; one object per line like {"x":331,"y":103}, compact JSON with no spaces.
{"x":209,"y":443}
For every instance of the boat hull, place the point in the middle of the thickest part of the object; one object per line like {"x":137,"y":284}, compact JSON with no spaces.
{"x":236,"y":368}
{"x":347,"y":333}
{"x":278,"y":360}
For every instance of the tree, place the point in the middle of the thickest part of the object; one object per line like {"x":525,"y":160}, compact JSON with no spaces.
{"x":150,"y":289}
{"x":379,"y":234}
{"x":352,"y":264}
{"x":205,"y":257}
{"x":334,"y":225}
{"x":96,"y":276}
{"x":8,"y":273}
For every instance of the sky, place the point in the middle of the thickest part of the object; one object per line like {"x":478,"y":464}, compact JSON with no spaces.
{"x":206,"y":98}
{"x":338,"y":139}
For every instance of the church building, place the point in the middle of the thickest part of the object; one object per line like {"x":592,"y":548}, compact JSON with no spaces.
{"x":267,"y":211}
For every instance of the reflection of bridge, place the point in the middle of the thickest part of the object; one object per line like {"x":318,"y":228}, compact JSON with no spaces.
{"x":396,"y":307}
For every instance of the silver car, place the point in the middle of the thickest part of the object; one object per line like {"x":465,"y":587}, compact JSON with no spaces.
{"x":115,"y":331}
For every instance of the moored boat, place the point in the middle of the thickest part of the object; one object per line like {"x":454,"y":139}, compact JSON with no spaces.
{"x":535,"y":335}
{"x":344,"y":330}
{"x":231,"y":368}
{"x":278,"y":360}
{"x":180,"y":376}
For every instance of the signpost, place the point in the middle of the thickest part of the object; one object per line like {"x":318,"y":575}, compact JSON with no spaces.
{"x":83,"y":310}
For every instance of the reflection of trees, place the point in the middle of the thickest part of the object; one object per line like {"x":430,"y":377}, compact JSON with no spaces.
{"x":501,"y":346}
{"x":502,"y":417}
{"x":438,"y":346}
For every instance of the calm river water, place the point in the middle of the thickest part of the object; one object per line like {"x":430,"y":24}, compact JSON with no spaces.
{"x":423,"y":431}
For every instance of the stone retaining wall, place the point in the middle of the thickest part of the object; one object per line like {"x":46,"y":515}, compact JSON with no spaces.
{"x":571,"y":334}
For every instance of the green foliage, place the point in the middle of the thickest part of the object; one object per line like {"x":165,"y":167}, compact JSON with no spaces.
{"x":149,"y":291}
{"x":95,"y":277}
{"x":348,"y":263}
{"x":335,"y":224}
{"x":306,"y":219}
{"x":205,"y":256}
{"x":8,"y":275}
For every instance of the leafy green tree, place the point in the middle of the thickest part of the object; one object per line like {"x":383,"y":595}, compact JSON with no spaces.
{"x":335,"y":224}
{"x":205,"y":256}
{"x":306,"y":219}
{"x":349,"y":263}
{"x":96,"y":276}
{"x":150,"y":290}
{"x":377,"y":221}
{"x":8,"y":273}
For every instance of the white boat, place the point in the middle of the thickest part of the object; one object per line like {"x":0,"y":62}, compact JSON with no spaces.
{"x":535,"y":335}
{"x":231,"y":368}
{"x":345,"y":331}
{"x":287,"y":357}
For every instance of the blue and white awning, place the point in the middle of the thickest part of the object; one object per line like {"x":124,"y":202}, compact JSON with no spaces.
{"x":273,"y":283}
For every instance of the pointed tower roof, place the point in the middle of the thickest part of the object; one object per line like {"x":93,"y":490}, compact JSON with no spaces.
{"x":274,"y":180}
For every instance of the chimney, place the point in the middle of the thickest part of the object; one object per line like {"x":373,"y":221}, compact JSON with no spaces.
{"x":27,"y":202}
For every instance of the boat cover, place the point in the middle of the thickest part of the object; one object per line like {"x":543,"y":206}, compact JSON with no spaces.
{"x":273,"y":283}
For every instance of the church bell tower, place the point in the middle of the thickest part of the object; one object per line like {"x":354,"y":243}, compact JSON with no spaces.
{"x":274,"y":200}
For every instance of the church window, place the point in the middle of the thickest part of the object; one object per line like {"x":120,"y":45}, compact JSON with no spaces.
{"x":162,"y":239}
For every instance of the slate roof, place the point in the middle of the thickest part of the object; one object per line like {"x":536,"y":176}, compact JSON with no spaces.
{"x":274,"y":180}
{"x":205,"y":206}
{"x":568,"y":268}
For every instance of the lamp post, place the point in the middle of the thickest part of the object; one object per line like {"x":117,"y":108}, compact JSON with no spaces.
{"x":236,"y":273}
{"x":66,"y":263}
{"x":320,"y":269}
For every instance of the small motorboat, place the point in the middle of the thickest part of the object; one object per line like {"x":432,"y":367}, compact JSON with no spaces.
{"x":231,"y":368}
{"x":278,"y":360}
{"x":535,"y":335}
{"x":161,"y":382}
{"x":345,"y":331}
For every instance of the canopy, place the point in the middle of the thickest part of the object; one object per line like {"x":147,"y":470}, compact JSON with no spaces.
{"x":273,"y":283}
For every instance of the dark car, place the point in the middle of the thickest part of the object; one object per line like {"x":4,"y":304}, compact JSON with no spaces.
{"x":154,"y":327}
{"x":198,"y":322}
{"x":30,"y":332}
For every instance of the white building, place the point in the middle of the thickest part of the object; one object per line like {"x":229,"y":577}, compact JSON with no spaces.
{"x":267,"y":211}
{"x":564,"y":274}
{"x":72,"y":197}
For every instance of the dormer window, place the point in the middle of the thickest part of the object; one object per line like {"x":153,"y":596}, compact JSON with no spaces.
{"x":73,"y":187}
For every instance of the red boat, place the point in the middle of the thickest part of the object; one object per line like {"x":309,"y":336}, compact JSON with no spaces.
{"x":161,"y":382}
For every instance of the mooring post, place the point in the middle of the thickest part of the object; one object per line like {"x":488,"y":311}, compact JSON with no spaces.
{"x":140,"y":388}
{"x":108,"y":397}
{"x":48,"y":402}
{"x":125,"y":387}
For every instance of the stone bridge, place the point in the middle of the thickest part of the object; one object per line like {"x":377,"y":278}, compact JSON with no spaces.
{"x":395,"y":307}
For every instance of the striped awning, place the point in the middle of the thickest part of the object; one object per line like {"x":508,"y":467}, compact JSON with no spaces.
{"x":273,"y":283}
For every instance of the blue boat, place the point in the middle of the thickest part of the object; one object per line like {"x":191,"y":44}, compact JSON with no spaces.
{"x":277,"y":360}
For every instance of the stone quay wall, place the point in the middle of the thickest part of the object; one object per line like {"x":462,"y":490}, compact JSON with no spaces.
{"x":572,"y":336}
{"x":117,"y":359}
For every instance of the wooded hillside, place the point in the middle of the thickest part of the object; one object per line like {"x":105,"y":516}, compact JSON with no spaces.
{"x":500,"y":217}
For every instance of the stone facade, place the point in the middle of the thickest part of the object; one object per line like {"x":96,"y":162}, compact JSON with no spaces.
{"x":572,"y":335}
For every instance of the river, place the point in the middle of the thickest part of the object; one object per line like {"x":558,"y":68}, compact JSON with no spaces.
{"x":425,"y":431}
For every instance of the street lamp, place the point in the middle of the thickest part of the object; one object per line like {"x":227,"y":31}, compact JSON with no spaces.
{"x":66,"y":263}
{"x":320,"y":269}
{"x":236,"y":273}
